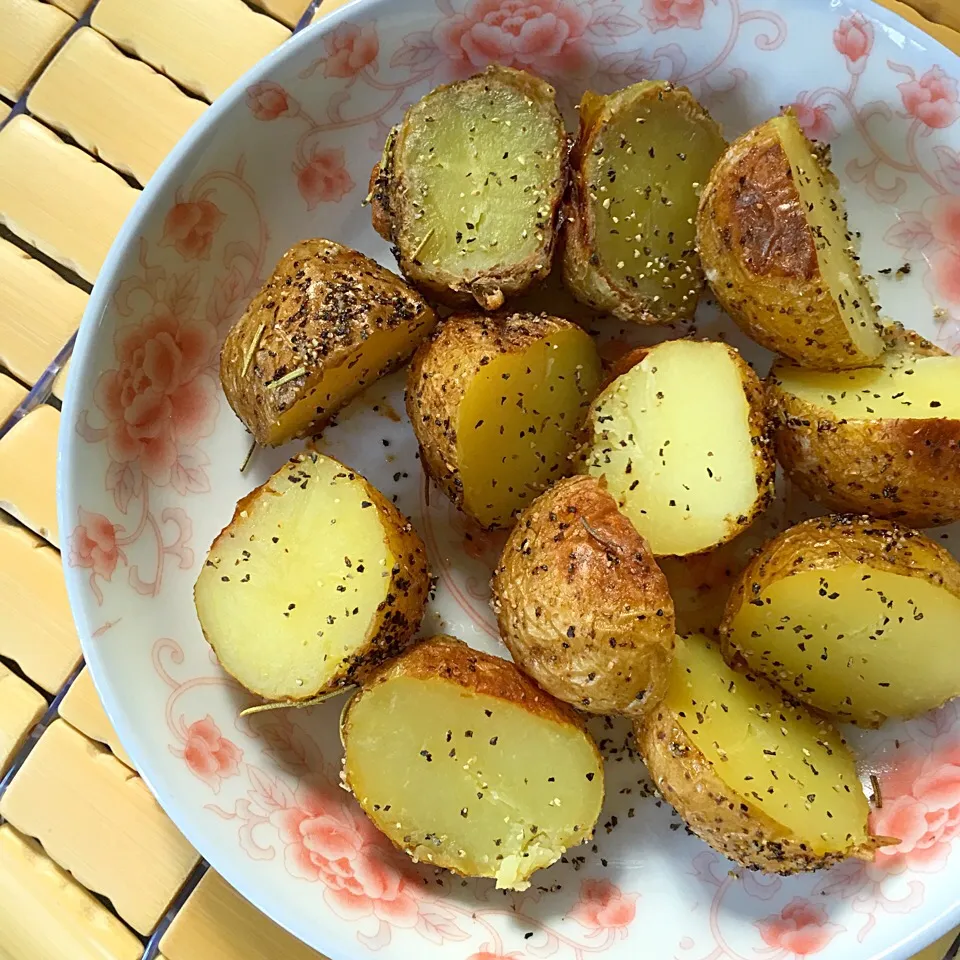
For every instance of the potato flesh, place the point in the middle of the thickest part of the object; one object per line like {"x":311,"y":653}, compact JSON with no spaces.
{"x":335,"y":385}
{"x":777,"y":757}
{"x":905,"y":387}
{"x":673,"y":440}
{"x":470,"y":781}
{"x":516,"y":425}
{"x":855,"y":642}
{"x":824,"y":206}
{"x":266,"y":607}
{"x":643,"y":174}
{"x":480,"y":166}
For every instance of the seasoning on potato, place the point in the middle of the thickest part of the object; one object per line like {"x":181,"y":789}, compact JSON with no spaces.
{"x":779,"y":255}
{"x":496,"y":403}
{"x":854,"y":616}
{"x":638,"y":166}
{"x":315,"y":581}
{"x":681,"y":438}
{"x":761,"y":780}
{"x":470,"y":185}
{"x":582,"y":605}
{"x":882,"y":440}
{"x":464,"y":763}
{"x":327,"y":324}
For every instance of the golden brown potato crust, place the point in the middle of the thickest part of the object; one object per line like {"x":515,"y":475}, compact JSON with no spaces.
{"x":445,"y":658}
{"x":826,"y":543}
{"x":441,"y":371}
{"x":321,"y":303}
{"x":760,"y":258}
{"x":399,"y":615}
{"x":731,"y":825}
{"x":393,"y":213}
{"x":897,"y":469}
{"x":582,"y":606}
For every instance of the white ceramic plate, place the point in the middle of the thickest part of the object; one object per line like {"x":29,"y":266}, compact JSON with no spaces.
{"x":150,"y":455}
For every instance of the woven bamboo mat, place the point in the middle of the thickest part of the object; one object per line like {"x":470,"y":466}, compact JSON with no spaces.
{"x":90,"y":867}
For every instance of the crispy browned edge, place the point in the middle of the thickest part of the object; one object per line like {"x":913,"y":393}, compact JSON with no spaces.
{"x":280,"y":331}
{"x":444,"y":658}
{"x":440,"y":374}
{"x":735,"y":827}
{"x":387,"y":197}
{"x":825,"y":543}
{"x":398,"y":615}
{"x":578,"y":595}
{"x":583,"y":272}
{"x":896,"y":469}
{"x":760,"y":258}
{"x":763,"y":458}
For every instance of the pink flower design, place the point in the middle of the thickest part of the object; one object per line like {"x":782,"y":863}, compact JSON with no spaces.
{"x":159,"y":400}
{"x":664,"y":14}
{"x":267,"y":100}
{"x":190,"y":227}
{"x":603,"y":907}
{"x":944,"y":215}
{"x":921,"y":805}
{"x":93,"y":544}
{"x":350,"y":859}
{"x":814,"y":118}
{"x":487,"y":955}
{"x":349,"y":49}
{"x":546,"y":36}
{"x":210,"y":756}
{"x":854,"y":39}
{"x":934,"y":99}
{"x":324,"y":177}
{"x":800,"y":929}
{"x":945,"y":273}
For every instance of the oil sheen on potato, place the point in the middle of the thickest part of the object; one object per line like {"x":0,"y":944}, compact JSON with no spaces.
{"x":795,"y":769}
{"x":471,"y":782}
{"x":854,"y":642}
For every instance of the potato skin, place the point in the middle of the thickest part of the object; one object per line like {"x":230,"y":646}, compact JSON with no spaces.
{"x":399,"y":615}
{"x":582,"y":606}
{"x":322,"y":301}
{"x":896,"y":469}
{"x":736,"y":828}
{"x":760,"y":258}
{"x":389,"y":200}
{"x":441,"y":371}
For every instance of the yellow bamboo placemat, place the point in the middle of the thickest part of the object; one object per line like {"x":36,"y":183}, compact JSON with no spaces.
{"x":67,"y":890}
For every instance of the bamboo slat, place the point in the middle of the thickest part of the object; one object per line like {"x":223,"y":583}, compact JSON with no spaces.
{"x":81,"y":708}
{"x":20,"y":708}
{"x":289,"y":11}
{"x":11,"y":393}
{"x":29,"y":30}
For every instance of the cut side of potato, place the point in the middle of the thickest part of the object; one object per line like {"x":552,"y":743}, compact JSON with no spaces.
{"x":582,"y":606}
{"x":315,"y":582}
{"x":470,"y":185}
{"x":779,"y":255}
{"x":496,"y":403}
{"x":327,"y":324}
{"x":466,"y":764}
{"x":681,"y":439}
{"x":883,"y":440}
{"x":856,"y":617}
{"x":761,"y":780}
{"x":641,"y":159}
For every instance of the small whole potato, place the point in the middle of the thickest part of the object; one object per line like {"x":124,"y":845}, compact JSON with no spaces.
{"x":582,"y":605}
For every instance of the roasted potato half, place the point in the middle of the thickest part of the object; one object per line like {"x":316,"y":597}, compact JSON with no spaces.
{"x":496,"y":402}
{"x":582,"y":605}
{"x":681,"y":438}
{"x":315,"y":581}
{"x":463,"y":762}
{"x":882,"y":440}
{"x":638,"y":166}
{"x":854,"y":616}
{"x":779,"y":255}
{"x":761,"y":780}
{"x":470,"y":185}
{"x":327,"y":324}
